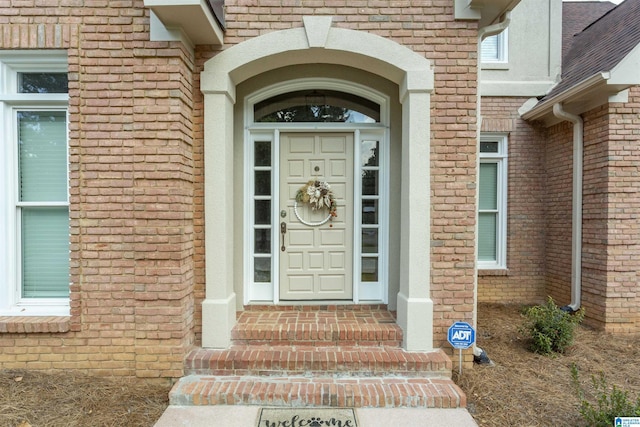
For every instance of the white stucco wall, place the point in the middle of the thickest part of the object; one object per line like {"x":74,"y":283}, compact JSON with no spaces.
{"x":534,"y":56}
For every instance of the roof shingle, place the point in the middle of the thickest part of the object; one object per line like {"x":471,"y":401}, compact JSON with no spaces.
{"x":601,"y":45}
{"x":576,"y":16}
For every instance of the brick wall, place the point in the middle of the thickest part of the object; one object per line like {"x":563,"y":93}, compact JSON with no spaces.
{"x":623,"y":288}
{"x":131,"y":193}
{"x":136,"y":151}
{"x":523,"y":281}
{"x":611,"y":206}
{"x":595,"y":212}
{"x":557,"y":201}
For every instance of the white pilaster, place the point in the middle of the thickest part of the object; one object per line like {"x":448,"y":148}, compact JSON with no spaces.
{"x":219,"y":306}
{"x":415,"y":307}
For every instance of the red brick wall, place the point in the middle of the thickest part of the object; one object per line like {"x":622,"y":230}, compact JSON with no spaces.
{"x":523,"y":281}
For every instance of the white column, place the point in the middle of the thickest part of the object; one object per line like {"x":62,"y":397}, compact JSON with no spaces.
{"x":415,"y":307}
{"x":219,"y":306}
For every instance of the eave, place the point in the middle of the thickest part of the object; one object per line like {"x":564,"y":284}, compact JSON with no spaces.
{"x":486,"y":12}
{"x":598,"y":89}
{"x":191,"y":18}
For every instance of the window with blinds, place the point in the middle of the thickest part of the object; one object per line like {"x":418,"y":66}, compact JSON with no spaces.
{"x":492,"y":202}
{"x":42,"y":203}
{"x":34,"y":209}
{"x":494,"y":48}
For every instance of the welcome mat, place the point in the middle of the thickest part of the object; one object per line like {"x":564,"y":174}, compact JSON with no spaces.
{"x":307,"y":417}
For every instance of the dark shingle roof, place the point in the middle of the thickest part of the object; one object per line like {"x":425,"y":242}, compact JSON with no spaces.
{"x":601,"y":45}
{"x":576,"y":16}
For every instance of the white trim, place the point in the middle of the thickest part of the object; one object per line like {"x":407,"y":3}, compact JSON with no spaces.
{"x":500,"y":158}
{"x":251,"y":293}
{"x":191,"y":17}
{"x":254,"y":131}
{"x":11,"y":102}
{"x":384,"y":162}
{"x":356,"y":268}
{"x":275,"y":260}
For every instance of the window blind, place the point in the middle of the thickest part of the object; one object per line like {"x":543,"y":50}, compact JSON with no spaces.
{"x":45,"y":252}
{"x":487,"y":242}
{"x":42,"y":178}
{"x":42,"y":140}
{"x":489,"y":49}
{"x":488,"y":186}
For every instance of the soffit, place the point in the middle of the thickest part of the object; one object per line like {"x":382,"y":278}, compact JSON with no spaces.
{"x":486,"y":12}
{"x":194,"y":18}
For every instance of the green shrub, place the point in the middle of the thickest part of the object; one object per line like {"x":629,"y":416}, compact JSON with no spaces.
{"x":549,"y":328}
{"x":611,"y":402}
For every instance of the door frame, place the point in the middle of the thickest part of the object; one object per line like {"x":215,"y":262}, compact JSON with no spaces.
{"x":269,"y":293}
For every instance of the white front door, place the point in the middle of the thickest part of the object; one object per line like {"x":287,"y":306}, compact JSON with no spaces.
{"x":316,"y":261}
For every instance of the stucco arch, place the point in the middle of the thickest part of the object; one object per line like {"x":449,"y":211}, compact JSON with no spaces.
{"x":317,"y":42}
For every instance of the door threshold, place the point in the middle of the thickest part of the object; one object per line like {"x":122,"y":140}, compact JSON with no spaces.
{"x":318,"y":304}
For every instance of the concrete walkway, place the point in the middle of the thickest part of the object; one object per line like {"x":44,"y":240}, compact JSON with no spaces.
{"x":248,"y":416}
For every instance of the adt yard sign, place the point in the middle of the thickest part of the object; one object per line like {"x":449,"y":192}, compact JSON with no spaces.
{"x":461,"y":335}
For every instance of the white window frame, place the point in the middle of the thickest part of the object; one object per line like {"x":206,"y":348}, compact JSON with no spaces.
{"x":499,"y":158}
{"x":501,"y":49}
{"x":11,"y":102}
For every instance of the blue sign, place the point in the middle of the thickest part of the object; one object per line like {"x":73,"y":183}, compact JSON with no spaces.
{"x":461,"y":335}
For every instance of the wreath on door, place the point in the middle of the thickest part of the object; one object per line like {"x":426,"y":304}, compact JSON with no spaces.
{"x":319,"y":196}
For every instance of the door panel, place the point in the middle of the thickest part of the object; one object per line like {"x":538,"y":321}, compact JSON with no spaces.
{"x":317,"y":261}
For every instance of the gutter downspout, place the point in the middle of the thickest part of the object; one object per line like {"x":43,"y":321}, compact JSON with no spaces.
{"x":479,"y":355}
{"x":576,"y":217}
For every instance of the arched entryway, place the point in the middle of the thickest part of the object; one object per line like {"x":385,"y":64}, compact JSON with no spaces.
{"x":317,"y":43}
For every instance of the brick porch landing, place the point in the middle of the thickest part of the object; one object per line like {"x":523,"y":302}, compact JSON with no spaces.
{"x":339,"y":356}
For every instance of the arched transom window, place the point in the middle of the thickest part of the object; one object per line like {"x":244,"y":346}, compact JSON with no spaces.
{"x":317,"y":105}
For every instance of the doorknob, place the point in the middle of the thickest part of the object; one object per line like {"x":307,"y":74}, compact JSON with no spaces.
{"x":283,"y":231}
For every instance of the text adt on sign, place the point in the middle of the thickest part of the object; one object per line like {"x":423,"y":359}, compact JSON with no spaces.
{"x":461,"y":335}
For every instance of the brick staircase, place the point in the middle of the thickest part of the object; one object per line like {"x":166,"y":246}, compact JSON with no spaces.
{"x":336,"y":356}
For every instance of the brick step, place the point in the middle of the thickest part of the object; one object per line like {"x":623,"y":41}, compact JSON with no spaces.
{"x":289,"y":326}
{"x":317,"y":361}
{"x":300,"y":391}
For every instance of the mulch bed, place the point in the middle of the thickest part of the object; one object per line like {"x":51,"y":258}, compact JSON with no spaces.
{"x":526,"y":389}
{"x":521,"y":389}
{"x":70,"y":399}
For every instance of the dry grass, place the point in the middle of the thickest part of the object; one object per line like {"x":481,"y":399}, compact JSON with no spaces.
{"x":69,"y":399}
{"x":526,"y":389}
